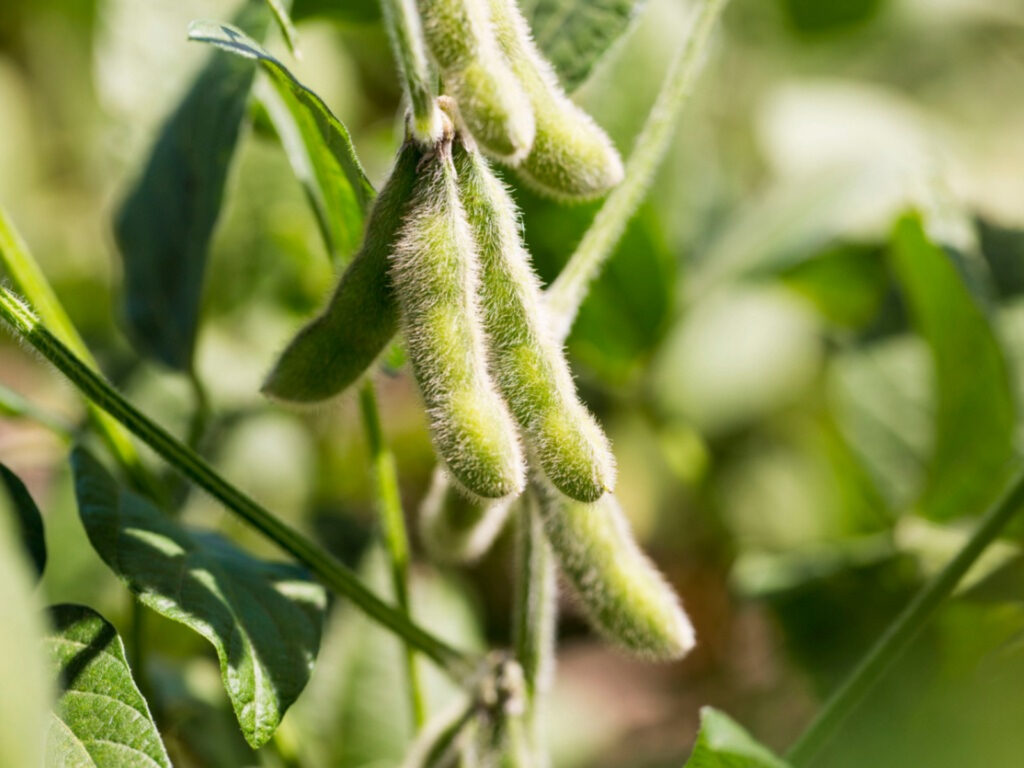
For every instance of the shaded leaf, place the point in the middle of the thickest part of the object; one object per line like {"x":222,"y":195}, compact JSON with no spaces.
{"x":318,"y":144}
{"x":285,"y":24}
{"x":722,"y":743}
{"x":100,"y":719}
{"x":975,"y":410}
{"x":164,"y":226}
{"x":30,"y":522}
{"x":574,"y":34}
{"x":263,"y":619}
{"x":351,"y":11}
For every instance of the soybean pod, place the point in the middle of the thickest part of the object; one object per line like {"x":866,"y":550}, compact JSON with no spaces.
{"x":571,"y":156}
{"x":526,"y":362}
{"x":434,"y":275}
{"x":491,"y":101}
{"x":623,"y":595}
{"x":334,"y":349}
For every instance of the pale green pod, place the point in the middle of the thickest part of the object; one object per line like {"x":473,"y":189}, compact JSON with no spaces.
{"x":433,"y":271}
{"x":335,"y":348}
{"x":624,"y":596}
{"x":527,"y":364}
{"x":571,"y":156}
{"x":458,"y":527}
{"x":491,"y":101}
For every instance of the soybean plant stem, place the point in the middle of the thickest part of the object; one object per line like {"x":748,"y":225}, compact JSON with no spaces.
{"x":28,"y":278}
{"x":905,"y":628}
{"x":402,"y":21}
{"x":325,"y":566}
{"x":570,"y":288}
{"x":389,"y":502}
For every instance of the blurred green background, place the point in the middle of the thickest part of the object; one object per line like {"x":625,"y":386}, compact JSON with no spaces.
{"x":805,"y":420}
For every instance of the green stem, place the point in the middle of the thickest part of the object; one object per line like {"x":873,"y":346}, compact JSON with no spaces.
{"x":28,"y":278}
{"x":327,"y":568}
{"x":905,"y":628}
{"x":570,"y":288}
{"x":402,"y":21}
{"x":395,"y":537}
{"x":13,"y":405}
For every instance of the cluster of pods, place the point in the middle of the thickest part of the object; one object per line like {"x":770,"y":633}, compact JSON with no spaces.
{"x":443,"y":260}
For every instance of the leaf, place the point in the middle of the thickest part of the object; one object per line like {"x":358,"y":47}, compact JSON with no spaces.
{"x":286,"y":25}
{"x":164,"y":226}
{"x":574,"y":34}
{"x":722,"y":743}
{"x":351,"y":11}
{"x":263,"y":619}
{"x":100,"y":718}
{"x":975,"y":411}
{"x":317,"y":143}
{"x":30,"y":522}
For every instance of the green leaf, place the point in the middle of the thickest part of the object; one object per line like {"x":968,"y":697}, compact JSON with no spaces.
{"x":574,"y":34}
{"x":164,"y":226}
{"x":100,"y":719}
{"x":975,"y":412}
{"x":722,"y":743}
{"x":263,"y":619}
{"x":350,"y":11}
{"x":286,"y":25}
{"x":30,"y":522}
{"x":317,"y":143}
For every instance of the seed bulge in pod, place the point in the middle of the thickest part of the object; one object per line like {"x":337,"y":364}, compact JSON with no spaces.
{"x":527,"y":364}
{"x":571,"y":156}
{"x":434,"y":276}
{"x":624,"y":596}
{"x":336,"y":347}
{"x":456,"y":526}
{"x":491,"y":101}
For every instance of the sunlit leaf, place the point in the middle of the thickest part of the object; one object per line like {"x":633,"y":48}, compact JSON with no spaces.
{"x":317,"y":143}
{"x":164,"y":227}
{"x":574,"y":34}
{"x":975,"y":412}
{"x":30,"y":522}
{"x":100,"y":719}
{"x":722,"y":743}
{"x":263,"y":619}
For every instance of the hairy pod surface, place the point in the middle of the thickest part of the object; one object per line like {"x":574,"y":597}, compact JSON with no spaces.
{"x":528,"y":366}
{"x":336,"y":348}
{"x":456,"y":527}
{"x":571,"y":156}
{"x":491,"y":101}
{"x":434,"y":275}
{"x":622,"y":593}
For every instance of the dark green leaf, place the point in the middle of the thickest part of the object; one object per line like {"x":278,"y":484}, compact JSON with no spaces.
{"x":722,"y":743}
{"x":30,"y":522}
{"x":100,"y":719}
{"x":263,"y":619}
{"x":814,"y":16}
{"x":317,"y":143}
{"x":163,"y":228}
{"x":975,"y":410}
{"x":574,"y":34}
{"x":350,"y":11}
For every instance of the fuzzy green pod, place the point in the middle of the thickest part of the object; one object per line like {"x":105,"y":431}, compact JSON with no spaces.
{"x":620,"y":590}
{"x":433,"y":272}
{"x":491,"y":101}
{"x":455,"y":526}
{"x":571,"y":156}
{"x":335,"y":348}
{"x":526,"y":362}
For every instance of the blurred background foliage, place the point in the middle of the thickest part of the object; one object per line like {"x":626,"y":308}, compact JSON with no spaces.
{"x":808,"y":401}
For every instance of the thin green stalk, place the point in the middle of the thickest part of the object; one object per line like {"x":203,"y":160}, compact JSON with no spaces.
{"x":28,"y":278}
{"x":402,"y":21}
{"x":905,"y":628}
{"x":570,"y":288}
{"x":327,"y":568}
{"x":396,"y":539}
{"x":13,"y":405}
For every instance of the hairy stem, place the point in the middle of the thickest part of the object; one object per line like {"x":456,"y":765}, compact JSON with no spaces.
{"x":28,"y":278}
{"x":335,"y":575}
{"x":389,"y":503}
{"x":570,"y":288}
{"x":402,"y":22}
{"x":905,"y":628}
